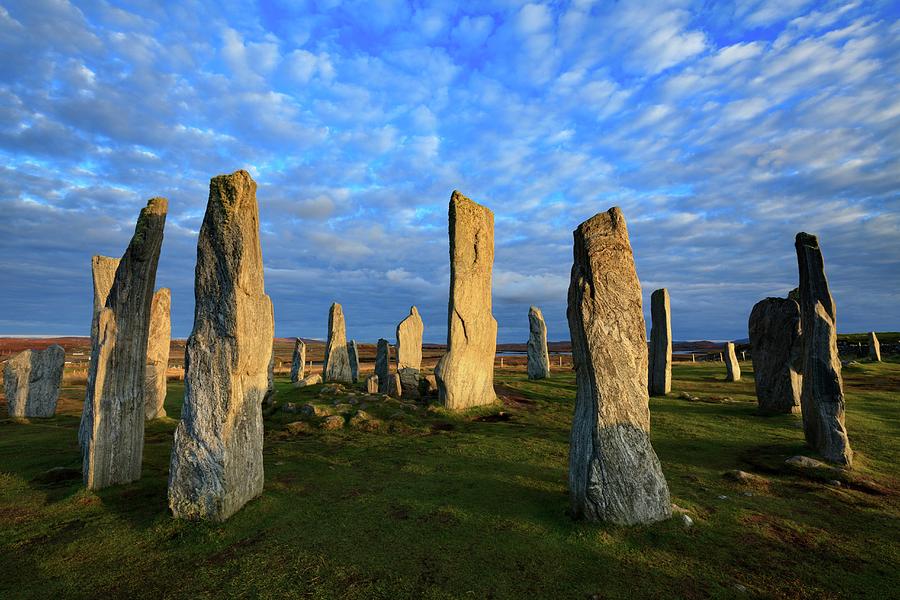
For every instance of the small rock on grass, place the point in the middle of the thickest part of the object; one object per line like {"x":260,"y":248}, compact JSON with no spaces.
{"x":686,"y":521}
{"x":298,"y":428}
{"x":331,"y":423}
{"x":743,"y":477}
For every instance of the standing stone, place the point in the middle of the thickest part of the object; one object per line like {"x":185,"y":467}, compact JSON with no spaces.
{"x":372,"y":384}
{"x":353,"y":356}
{"x":158,"y":342}
{"x":337,"y":360}
{"x":31,"y":380}
{"x":538,"y":357}
{"x":395,"y":387}
{"x":822,"y":398}
{"x":409,"y":352}
{"x":774,"y":328}
{"x":103,"y":272}
{"x":383,"y":364}
{"x":217,"y":459}
{"x":614,"y":474}
{"x":269,"y":397}
{"x":660,"y":372}
{"x":112,"y":438}
{"x":874,"y":347}
{"x":298,"y":361}
{"x":465,"y":374}
{"x":732,"y":368}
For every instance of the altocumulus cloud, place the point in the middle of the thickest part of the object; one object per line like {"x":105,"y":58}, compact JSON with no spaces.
{"x":721,"y":131}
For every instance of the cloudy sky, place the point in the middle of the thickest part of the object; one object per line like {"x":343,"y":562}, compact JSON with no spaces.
{"x":720,"y":129}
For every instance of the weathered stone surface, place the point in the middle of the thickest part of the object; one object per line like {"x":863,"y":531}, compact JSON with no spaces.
{"x":217,"y":460}
{"x":874,"y":347}
{"x":271,"y":391}
{"x":465,"y":374}
{"x":337,"y":359}
{"x":822,"y":397}
{"x":103,"y":273}
{"x":538,"y":357}
{"x":614,"y":474}
{"x":774,"y":328}
{"x":31,"y":380}
{"x":158,"y":341}
{"x":383,"y":364}
{"x":331,"y":423}
{"x":428,"y":386}
{"x":660,"y":370}
{"x":372,"y":384}
{"x":732,"y":367}
{"x":409,"y":352}
{"x":409,"y":382}
{"x":395,"y":386}
{"x":298,"y":361}
{"x":353,"y":356}
{"x":112,"y":429}
{"x":311,"y":379}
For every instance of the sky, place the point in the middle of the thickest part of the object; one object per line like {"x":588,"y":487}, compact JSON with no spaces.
{"x":721,"y":130}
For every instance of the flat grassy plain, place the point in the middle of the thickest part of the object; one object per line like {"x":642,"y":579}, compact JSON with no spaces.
{"x":437,"y":505}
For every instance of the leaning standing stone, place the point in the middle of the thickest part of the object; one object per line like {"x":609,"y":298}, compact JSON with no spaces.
{"x":158,"y":342}
{"x":774,"y":328}
{"x":874,"y":347}
{"x":383,"y":364}
{"x":409,"y":352}
{"x":31,"y":380}
{"x":298,"y":361}
{"x":822,"y":398}
{"x":217,"y":460}
{"x":614,"y":474}
{"x":732,"y":367}
{"x":353,"y":356}
{"x":660,"y":343}
{"x":538,"y":357}
{"x":112,"y":439}
{"x":337,"y":360}
{"x":465,"y":374}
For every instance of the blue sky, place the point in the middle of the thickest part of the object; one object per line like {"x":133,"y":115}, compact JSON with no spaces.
{"x":720,"y":129}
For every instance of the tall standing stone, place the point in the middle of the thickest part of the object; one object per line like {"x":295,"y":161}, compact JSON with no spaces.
{"x":353,"y":357}
{"x":822,"y":398}
{"x":732,"y":367}
{"x":337,"y":360}
{"x":774,"y":328}
{"x":614,"y":474}
{"x":217,"y":459}
{"x":409,"y":352}
{"x":383,"y":365}
{"x":31,"y":381}
{"x":874,"y":347}
{"x":112,"y":439}
{"x":660,"y":372}
{"x":298,"y":361}
{"x":465,"y":374}
{"x":538,"y":357}
{"x":158,"y":342}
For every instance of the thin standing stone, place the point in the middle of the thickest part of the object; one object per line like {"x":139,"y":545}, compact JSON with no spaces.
{"x":538,"y":357}
{"x":337,"y":360}
{"x":158,"y":342}
{"x":298,"y":361}
{"x":383,"y":365}
{"x":660,"y":343}
{"x":732,"y":367}
{"x":874,"y":347}
{"x":353,"y":356}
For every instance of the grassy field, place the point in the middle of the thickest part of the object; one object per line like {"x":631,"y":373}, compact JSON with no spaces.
{"x":434,"y":505}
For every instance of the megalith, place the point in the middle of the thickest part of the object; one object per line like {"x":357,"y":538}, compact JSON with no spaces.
{"x":660,"y":371}
{"x":353,"y":356}
{"x":465,"y":374}
{"x":217,"y":459}
{"x":409,"y":352}
{"x":614,"y":474}
{"x":774,"y":328}
{"x":383,"y":365}
{"x":158,"y":341}
{"x":337,"y":360}
{"x":298,"y":361}
{"x":112,"y":435}
{"x":874,"y":347}
{"x":732,"y":367}
{"x":372,"y":384}
{"x":822,"y":396}
{"x":31,"y":380}
{"x":538,"y":357}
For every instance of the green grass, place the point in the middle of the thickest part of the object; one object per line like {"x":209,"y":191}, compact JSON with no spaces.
{"x":436,"y":505}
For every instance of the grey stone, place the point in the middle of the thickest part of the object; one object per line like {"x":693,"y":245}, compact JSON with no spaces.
{"x":353,"y":356}
{"x":217,"y":460}
{"x":538,"y":357}
{"x":874,"y":347}
{"x":337,"y":360}
{"x":383,"y":364}
{"x":298,"y":361}
{"x":465,"y":374}
{"x":395,"y":385}
{"x":614,"y":474}
{"x":31,"y":380}
{"x":822,"y":397}
{"x":732,"y":367}
{"x":428,"y":386}
{"x":158,"y":342}
{"x":112,"y":430}
{"x":774,"y":328}
{"x":372,"y":384}
{"x":660,"y":370}
{"x":409,"y":382}
{"x":409,"y":352}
